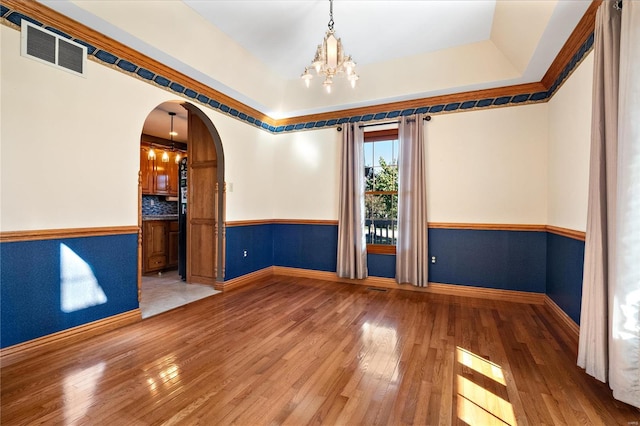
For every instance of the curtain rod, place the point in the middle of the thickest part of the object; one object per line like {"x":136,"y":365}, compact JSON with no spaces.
{"x":427,"y":118}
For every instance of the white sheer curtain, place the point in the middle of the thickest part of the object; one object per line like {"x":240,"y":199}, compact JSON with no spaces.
{"x":411,"y":249}
{"x":609,"y":347}
{"x":624,"y":369}
{"x":352,"y":246}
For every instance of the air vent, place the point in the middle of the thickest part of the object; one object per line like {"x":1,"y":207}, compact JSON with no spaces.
{"x":382,"y":290}
{"x":50,"y":48}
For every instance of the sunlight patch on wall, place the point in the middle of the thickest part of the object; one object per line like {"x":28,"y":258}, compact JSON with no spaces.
{"x":79,"y":288}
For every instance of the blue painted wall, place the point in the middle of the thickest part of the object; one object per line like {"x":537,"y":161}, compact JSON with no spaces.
{"x":508,"y":260}
{"x":257,"y":240}
{"x":565,"y":264}
{"x":381,"y":265}
{"x":305,"y":246}
{"x":30,"y":302}
{"x":30,"y":280}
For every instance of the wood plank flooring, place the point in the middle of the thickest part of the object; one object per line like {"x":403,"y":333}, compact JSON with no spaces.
{"x":299,"y":351}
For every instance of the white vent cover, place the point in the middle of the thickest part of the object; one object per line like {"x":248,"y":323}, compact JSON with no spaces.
{"x":50,"y":48}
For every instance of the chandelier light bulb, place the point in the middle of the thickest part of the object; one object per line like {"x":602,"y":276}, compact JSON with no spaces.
{"x":307,"y":76}
{"x":327,"y":84}
{"x":353,"y":78}
{"x":165,"y":157}
{"x":151,"y":155}
{"x":177,"y":158}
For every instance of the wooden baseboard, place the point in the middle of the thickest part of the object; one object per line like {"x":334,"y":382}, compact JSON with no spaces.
{"x":436,"y":288}
{"x":565,"y":320}
{"x":35,"y":347}
{"x":244,"y":279}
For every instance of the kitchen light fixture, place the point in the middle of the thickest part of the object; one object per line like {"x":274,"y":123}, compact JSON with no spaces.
{"x":330,"y":60}
{"x":172,"y":133}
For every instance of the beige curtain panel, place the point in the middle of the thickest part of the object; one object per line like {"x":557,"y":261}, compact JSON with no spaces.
{"x":352,"y":246}
{"x":412,"y":250}
{"x":609,"y":346}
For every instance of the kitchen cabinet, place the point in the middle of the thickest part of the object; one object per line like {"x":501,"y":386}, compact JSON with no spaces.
{"x":146,"y":167}
{"x":173,"y":233}
{"x":159,"y":245}
{"x":159,"y":177}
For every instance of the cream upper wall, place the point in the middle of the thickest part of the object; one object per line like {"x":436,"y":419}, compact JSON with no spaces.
{"x":70,"y":155}
{"x":508,"y":20}
{"x":569,"y":148}
{"x":483,"y":167}
{"x":65,"y":165}
{"x":70,"y":147}
{"x":488,"y":166}
{"x":249,"y":158}
{"x":306,"y":170}
{"x":177,"y":31}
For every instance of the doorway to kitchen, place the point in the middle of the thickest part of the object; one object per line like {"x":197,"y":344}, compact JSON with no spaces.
{"x":181,"y":211}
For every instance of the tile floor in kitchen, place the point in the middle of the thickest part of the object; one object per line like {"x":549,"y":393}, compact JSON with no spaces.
{"x":161,"y":293}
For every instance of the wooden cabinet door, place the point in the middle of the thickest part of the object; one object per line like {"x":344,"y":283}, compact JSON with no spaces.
{"x":173,"y":241}
{"x":155,"y":245}
{"x":162,"y":173}
{"x":147,"y":168}
{"x":173,"y":175}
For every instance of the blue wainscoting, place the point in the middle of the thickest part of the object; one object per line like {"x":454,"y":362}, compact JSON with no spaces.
{"x":531,"y":261}
{"x":305,"y":246}
{"x":257,"y":240}
{"x":381,"y":265}
{"x":32,"y":277}
{"x":565,"y":263}
{"x":507,"y":260}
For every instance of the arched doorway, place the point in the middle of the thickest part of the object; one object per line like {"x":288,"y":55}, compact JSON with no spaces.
{"x":203,"y":224}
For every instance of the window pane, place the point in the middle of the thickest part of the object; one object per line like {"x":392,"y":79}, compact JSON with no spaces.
{"x":381,"y":218}
{"x":383,"y":153}
{"x":368,"y":154}
{"x":369,"y":178}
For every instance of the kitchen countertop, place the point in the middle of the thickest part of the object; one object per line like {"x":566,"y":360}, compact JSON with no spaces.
{"x":160,"y":217}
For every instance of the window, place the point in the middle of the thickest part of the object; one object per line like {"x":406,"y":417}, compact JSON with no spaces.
{"x":381,"y":190}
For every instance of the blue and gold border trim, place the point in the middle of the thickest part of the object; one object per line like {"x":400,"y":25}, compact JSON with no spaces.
{"x":111,"y":53}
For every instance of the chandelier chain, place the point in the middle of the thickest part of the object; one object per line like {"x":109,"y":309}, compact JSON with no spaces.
{"x":331,"y":15}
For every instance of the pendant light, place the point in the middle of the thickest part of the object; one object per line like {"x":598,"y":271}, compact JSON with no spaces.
{"x":330,"y":59}
{"x":172,"y":133}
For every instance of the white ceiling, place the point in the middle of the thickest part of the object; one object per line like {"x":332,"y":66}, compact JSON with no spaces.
{"x":284,"y":34}
{"x":255,"y":50}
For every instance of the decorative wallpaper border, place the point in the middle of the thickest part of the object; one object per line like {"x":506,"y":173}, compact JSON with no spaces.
{"x":463,"y":102}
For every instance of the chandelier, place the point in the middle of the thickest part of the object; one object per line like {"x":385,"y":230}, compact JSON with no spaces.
{"x":330,"y":59}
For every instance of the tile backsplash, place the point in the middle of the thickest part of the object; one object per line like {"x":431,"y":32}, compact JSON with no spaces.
{"x":154,"y":205}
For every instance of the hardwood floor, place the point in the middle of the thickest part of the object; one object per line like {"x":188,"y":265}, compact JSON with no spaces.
{"x":299,"y":351}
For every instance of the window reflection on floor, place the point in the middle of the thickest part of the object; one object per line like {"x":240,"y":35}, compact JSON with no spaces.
{"x":79,"y":388}
{"x":385,"y":341}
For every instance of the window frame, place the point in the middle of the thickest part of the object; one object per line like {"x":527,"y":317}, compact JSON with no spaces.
{"x":381,"y":136}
